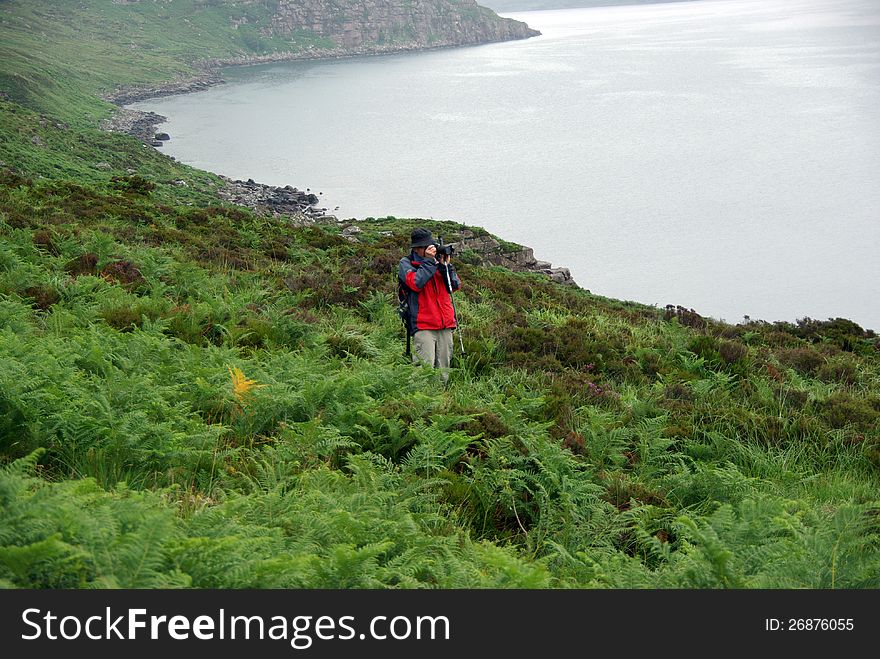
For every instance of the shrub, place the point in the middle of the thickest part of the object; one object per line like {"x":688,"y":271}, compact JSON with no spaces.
{"x":133,"y":184}
{"x":803,"y":360}
{"x":84,"y":264}
{"x":123,"y":318}
{"x":45,"y":241}
{"x":793,"y":398}
{"x":843,"y":371}
{"x":42,"y":297}
{"x":732,"y":352}
{"x":484,"y":423}
{"x":706,"y":347}
{"x":650,"y":361}
{"x":320,"y":239}
{"x":278,"y":248}
{"x":843,"y":409}
{"x":123,"y":272}
{"x":574,"y":442}
{"x":686,"y":317}
{"x":678,"y":391}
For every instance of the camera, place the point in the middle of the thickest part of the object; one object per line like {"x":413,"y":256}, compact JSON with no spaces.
{"x":445,"y":250}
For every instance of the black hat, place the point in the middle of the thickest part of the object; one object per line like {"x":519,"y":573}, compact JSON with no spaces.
{"x":421,"y":238}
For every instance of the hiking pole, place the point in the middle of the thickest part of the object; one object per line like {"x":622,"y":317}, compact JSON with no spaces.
{"x":452,"y":299}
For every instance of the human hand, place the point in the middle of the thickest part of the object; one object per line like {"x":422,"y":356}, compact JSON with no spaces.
{"x":431,"y":251}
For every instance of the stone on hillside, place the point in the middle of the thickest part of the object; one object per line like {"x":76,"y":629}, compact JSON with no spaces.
{"x":103,"y":165}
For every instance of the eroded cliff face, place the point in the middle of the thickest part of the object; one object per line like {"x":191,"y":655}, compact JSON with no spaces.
{"x":396,"y":23}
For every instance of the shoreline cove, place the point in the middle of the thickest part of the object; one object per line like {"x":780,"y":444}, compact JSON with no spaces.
{"x":301,"y":207}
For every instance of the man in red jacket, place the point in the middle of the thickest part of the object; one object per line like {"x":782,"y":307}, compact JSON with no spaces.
{"x":427,"y":279}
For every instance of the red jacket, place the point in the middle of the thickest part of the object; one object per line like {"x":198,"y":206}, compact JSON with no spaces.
{"x":430,"y":305}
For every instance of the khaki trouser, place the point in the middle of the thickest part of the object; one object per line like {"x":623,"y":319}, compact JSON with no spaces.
{"x":433,"y":347}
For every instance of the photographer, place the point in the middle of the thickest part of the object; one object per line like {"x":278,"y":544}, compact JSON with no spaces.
{"x":429,"y":279}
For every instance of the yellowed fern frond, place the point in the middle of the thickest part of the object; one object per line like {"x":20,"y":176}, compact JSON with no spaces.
{"x":242,"y":386}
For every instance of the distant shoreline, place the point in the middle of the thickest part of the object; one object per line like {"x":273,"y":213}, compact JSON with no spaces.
{"x":140,"y":124}
{"x":143,"y":125}
{"x":209,"y":76}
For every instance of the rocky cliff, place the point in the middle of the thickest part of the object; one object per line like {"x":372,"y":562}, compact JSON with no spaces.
{"x":259,"y":31}
{"x":378,"y":23}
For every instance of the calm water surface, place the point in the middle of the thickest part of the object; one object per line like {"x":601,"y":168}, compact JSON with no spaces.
{"x":721,"y":154}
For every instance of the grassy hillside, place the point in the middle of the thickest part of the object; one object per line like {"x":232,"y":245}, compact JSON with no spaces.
{"x":61,"y":56}
{"x":195,"y":395}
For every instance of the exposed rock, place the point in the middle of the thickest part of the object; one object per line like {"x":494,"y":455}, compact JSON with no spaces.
{"x":134,"y":122}
{"x":521,"y":259}
{"x":408,"y":24}
{"x":105,"y":166}
{"x":350,"y":233}
{"x":560,"y":275}
{"x":354,"y":27}
{"x":270,"y":199}
{"x":182,"y":85}
{"x":164,"y":137}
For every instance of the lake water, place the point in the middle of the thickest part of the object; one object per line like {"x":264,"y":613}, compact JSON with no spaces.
{"x":722,"y":155}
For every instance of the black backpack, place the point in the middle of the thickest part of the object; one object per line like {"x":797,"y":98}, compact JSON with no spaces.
{"x":403,"y":312}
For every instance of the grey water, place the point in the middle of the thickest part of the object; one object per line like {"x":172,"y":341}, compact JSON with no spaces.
{"x":723,"y":155}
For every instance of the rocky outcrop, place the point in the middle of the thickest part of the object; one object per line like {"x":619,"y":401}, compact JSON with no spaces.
{"x":341,"y":28}
{"x":183,"y":85}
{"x":134,"y":122}
{"x":275,"y":200}
{"x":513,"y":257}
{"x":482,"y":249}
{"x":421,"y":23}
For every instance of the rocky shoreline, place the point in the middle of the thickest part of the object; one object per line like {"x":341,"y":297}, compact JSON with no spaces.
{"x":141,"y":125}
{"x":301,"y":206}
{"x":209,"y":76}
{"x":275,"y":200}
